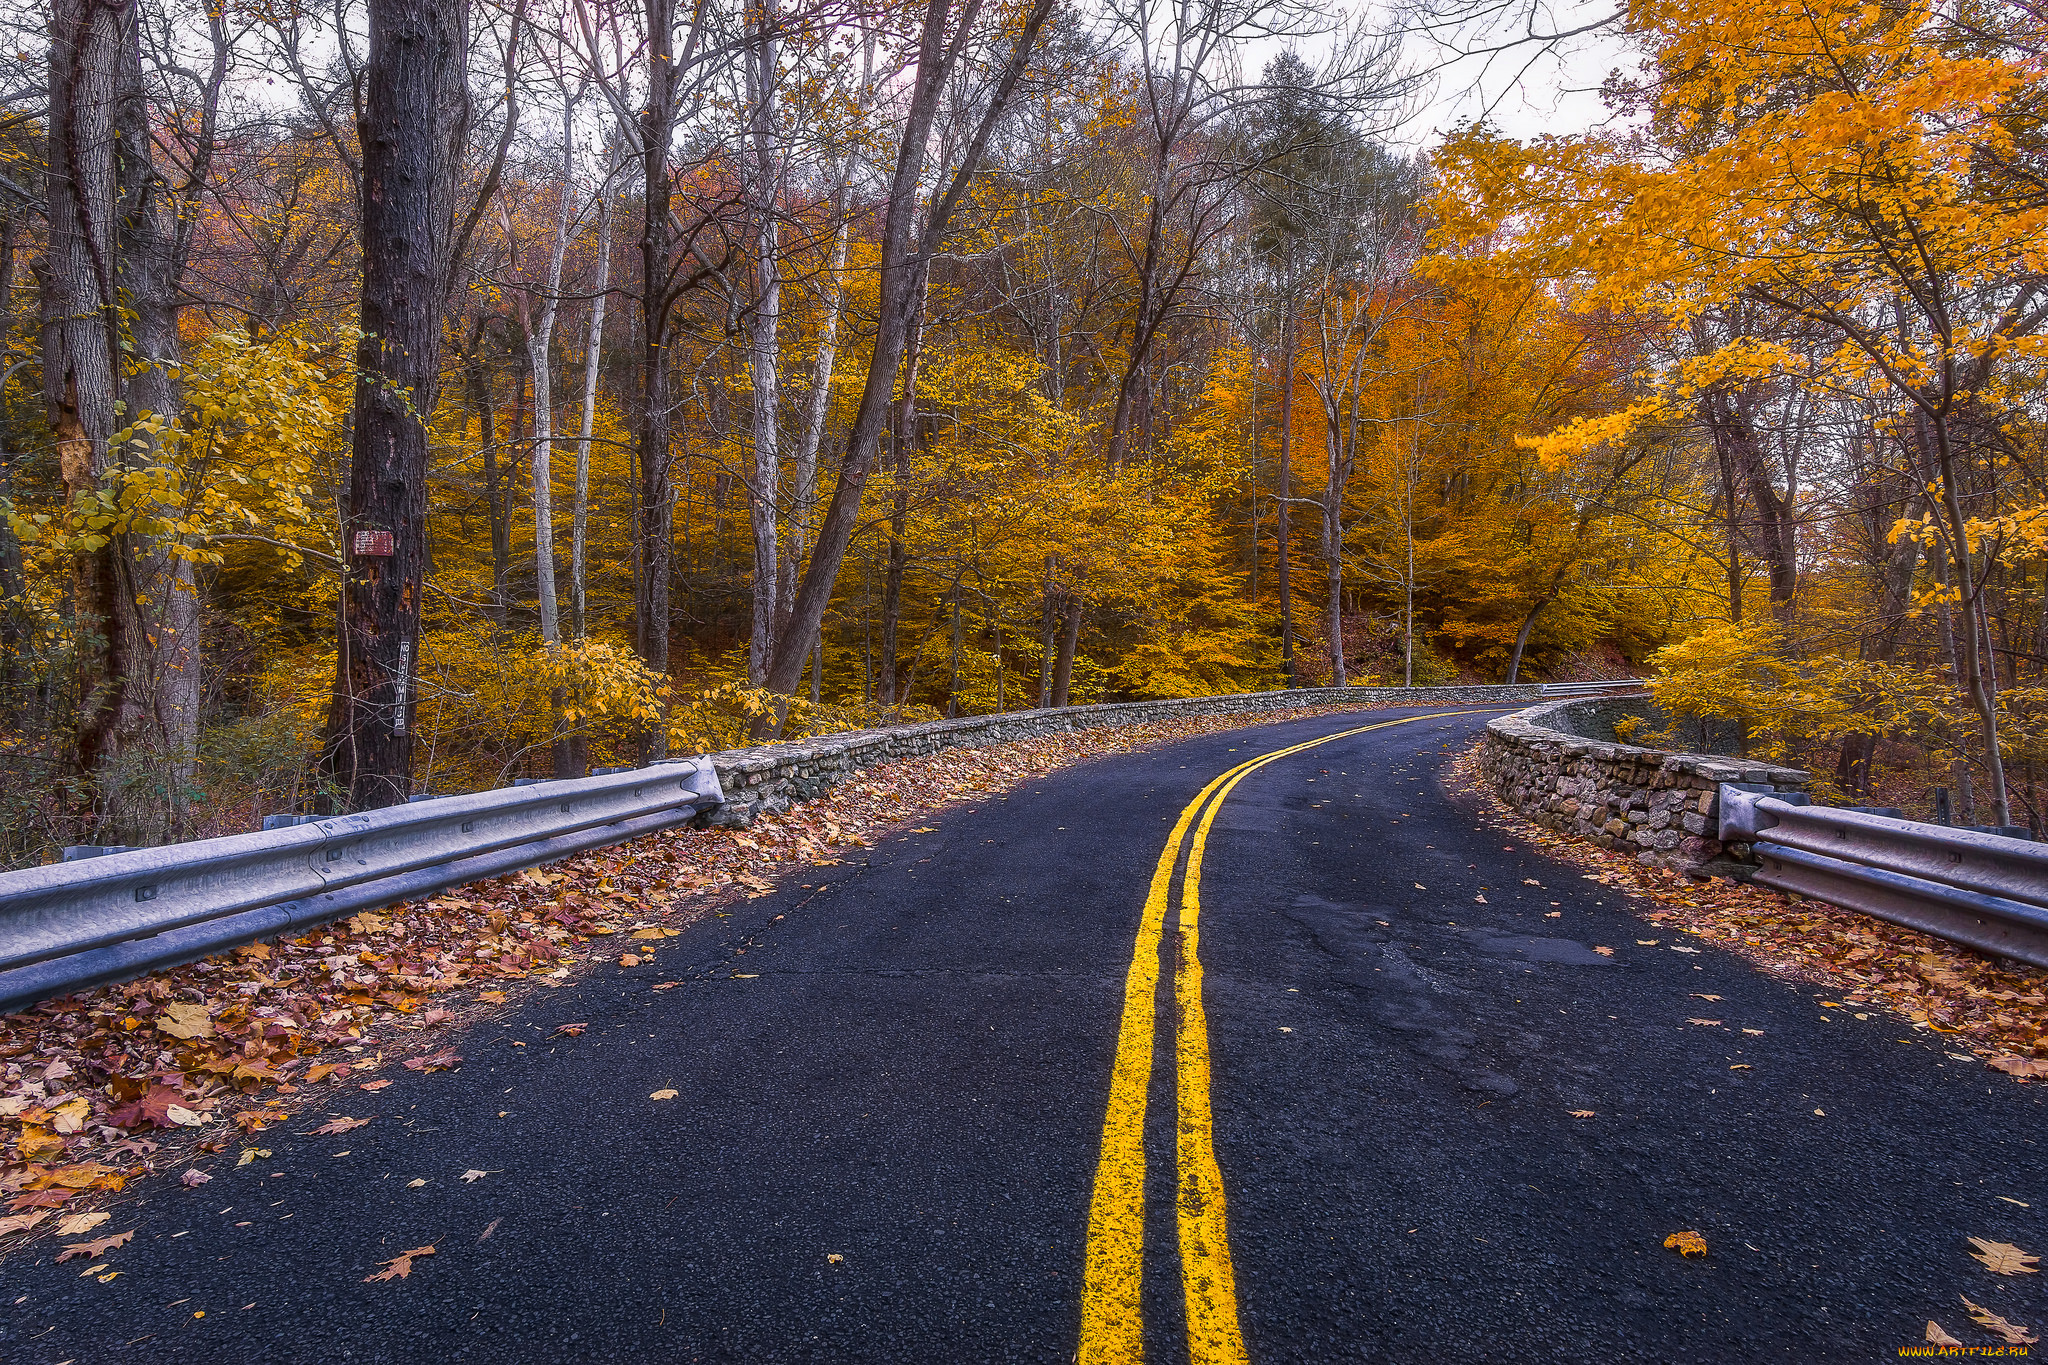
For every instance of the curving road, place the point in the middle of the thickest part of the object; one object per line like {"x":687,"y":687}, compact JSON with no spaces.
{"x":939,"y":1105}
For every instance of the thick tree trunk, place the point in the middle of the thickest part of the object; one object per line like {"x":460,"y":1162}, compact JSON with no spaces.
{"x":113,"y":246}
{"x":1859,"y":751}
{"x":413,"y":103}
{"x":653,"y":510}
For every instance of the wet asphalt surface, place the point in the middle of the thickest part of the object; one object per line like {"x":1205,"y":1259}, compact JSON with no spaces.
{"x":903,"y":1066}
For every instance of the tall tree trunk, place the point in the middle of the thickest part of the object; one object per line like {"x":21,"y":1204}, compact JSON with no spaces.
{"x":412,"y":111}
{"x":903,"y":257}
{"x":763,"y":359}
{"x":1282,"y":566}
{"x":593,"y":355}
{"x":1895,"y":592}
{"x":1049,"y":615}
{"x":803,"y":500}
{"x":107,"y":238}
{"x":497,"y":497}
{"x":1070,"y":641}
{"x":539,"y":336}
{"x":902,"y":440}
{"x":653,"y":509}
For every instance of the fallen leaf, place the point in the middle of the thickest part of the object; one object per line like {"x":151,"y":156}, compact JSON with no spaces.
{"x":399,"y":1266}
{"x":343,"y":1124}
{"x":447,"y":1059}
{"x":1582,"y":1113}
{"x":1697,"y":996}
{"x":571,"y":1030}
{"x":1705,"y":1023}
{"x":2003,"y":1258}
{"x":71,"y":1115}
{"x":834,"y":1258}
{"x":436,"y":1016}
{"x":666,"y":985}
{"x":194,"y":1178}
{"x":414,"y":1184}
{"x":1555,"y":914}
{"x":78,"y":1224}
{"x":663,"y":1095}
{"x":374,"y":1085}
{"x":1677,"y":949}
{"x":22,"y":1222}
{"x":1647,"y":942}
{"x":184,"y":1020}
{"x":629,"y":960}
{"x":491,"y":997}
{"x":95,"y":1250}
{"x":1604,"y":952}
{"x":2011,"y":1333}
{"x":1937,"y":1337}
{"x":1687,"y":1243}
{"x":2022,"y":1067}
{"x":655,"y":933}
{"x":471,"y":1176}
{"x":489,"y":1228}
{"x":367,"y":923}
{"x":250,"y":1154}
{"x":1740,"y":1066}
{"x":1754,"y":1032}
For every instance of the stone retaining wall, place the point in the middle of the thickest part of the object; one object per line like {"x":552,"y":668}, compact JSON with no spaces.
{"x":773,"y":776}
{"x":1659,"y":805}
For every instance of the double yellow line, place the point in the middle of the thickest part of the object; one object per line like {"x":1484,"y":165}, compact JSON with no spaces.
{"x":1112,"y":1324}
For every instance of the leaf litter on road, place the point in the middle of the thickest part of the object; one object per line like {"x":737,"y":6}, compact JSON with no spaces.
{"x":174,"y":1056}
{"x":2003,"y":1258}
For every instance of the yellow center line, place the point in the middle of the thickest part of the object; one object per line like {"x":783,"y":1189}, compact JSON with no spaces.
{"x":1112,"y":1325}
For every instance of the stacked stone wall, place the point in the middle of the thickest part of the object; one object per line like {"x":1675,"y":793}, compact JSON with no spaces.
{"x":1659,"y":805}
{"x":773,"y":776}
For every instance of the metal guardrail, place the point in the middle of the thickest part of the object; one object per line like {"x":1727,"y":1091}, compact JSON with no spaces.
{"x":1984,"y":890}
{"x":1588,"y":689}
{"x":78,"y":924}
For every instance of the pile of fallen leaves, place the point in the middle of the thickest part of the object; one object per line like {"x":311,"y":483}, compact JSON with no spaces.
{"x":1991,"y":1006}
{"x":100,"y":1088}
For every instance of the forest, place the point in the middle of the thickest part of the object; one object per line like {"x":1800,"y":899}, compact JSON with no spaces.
{"x":406,"y":396}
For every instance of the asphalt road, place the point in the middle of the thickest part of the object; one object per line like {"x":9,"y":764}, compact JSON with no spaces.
{"x":890,"y":1113}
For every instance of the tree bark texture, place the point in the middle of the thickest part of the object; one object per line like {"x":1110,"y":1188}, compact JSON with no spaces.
{"x":763,"y":357}
{"x":412,"y":108}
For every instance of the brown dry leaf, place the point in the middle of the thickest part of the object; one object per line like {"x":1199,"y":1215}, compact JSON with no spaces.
{"x":194,"y":1178}
{"x":1705,"y":1023}
{"x":1605,"y":952}
{"x":1697,"y":996}
{"x":250,"y":1154}
{"x":2022,"y":1067}
{"x":399,"y":1266}
{"x":343,"y":1124}
{"x":1937,"y":1337}
{"x":184,"y":1020}
{"x":491,"y":997}
{"x":2003,"y":1258}
{"x":570,"y":1030}
{"x":78,"y":1224}
{"x":663,"y":1095}
{"x":1582,"y":1113}
{"x":373,"y":1085}
{"x":94,"y":1250}
{"x":655,"y":933}
{"x":2009,"y":1332}
{"x":629,"y":960}
{"x":367,"y":923}
{"x":22,"y":1222}
{"x":447,"y":1059}
{"x":1687,"y":1243}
